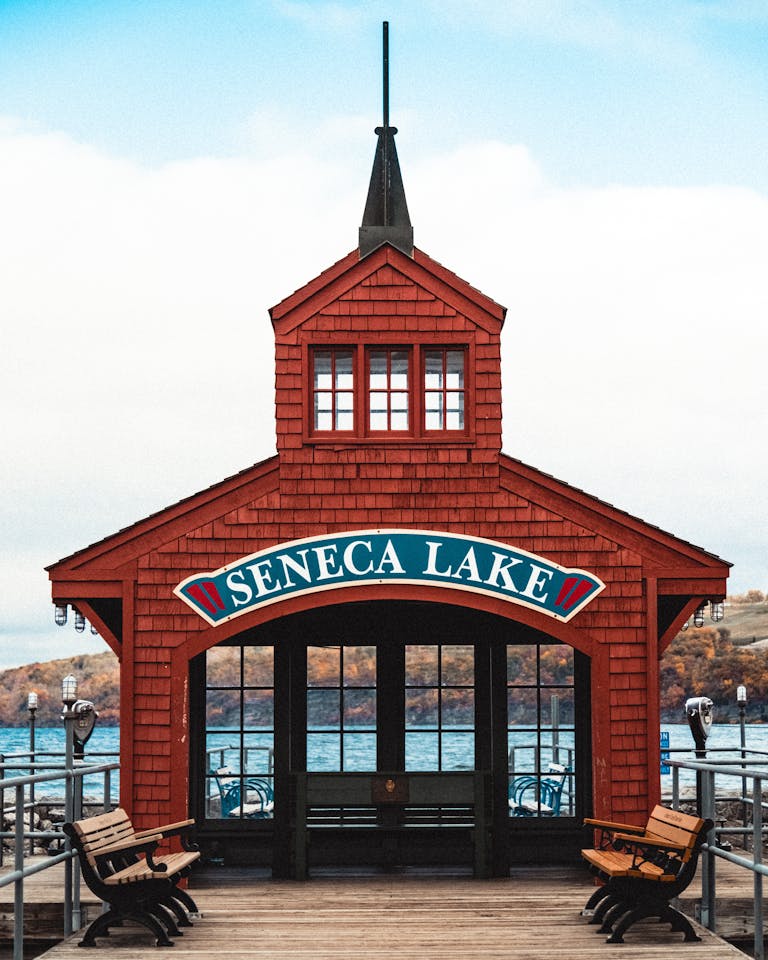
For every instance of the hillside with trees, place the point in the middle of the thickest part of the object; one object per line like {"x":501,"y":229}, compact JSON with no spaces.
{"x":98,"y":679}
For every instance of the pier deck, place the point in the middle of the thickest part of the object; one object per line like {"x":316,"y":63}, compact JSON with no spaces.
{"x":533,"y":915}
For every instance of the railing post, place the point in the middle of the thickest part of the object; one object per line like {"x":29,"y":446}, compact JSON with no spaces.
{"x":706,"y":803}
{"x":18,"y":887}
{"x":2,"y":799}
{"x":757,"y":856}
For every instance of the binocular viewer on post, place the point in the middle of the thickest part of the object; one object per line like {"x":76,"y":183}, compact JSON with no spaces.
{"x":85,"y":720}
{"x":698,"y":711}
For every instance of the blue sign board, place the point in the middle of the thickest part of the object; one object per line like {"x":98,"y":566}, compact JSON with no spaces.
{"x":365,"y":557}
{"x":664,"y":743}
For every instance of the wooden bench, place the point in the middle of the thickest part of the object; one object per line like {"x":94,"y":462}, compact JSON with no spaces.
{"x":643,"y":869}
{"x":123,"y":868}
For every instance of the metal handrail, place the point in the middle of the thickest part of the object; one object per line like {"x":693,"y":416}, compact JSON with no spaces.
{"x":706,"y":799}
{"x":73,"y":811}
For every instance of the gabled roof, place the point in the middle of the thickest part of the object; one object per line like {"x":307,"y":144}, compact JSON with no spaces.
{"x":173,"y":521}
{"x":661,"y":550}
{"x":352,"y":270}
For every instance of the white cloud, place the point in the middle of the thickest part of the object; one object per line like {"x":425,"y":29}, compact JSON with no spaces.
{"x":138,"y":353}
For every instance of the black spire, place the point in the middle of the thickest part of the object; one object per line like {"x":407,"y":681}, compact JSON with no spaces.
{"x":386,"y":219}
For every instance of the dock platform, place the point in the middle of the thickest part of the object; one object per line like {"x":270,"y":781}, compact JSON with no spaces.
{"x":532,"y":915}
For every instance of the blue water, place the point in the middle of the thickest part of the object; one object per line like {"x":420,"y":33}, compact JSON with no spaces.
{"x":457,"y":754}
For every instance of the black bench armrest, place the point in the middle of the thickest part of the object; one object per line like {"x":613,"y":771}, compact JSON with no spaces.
{"x":130,"y":847}
{"x":181,"y":829}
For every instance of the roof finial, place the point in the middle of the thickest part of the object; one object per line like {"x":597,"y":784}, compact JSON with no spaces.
{"x":386,"y":219}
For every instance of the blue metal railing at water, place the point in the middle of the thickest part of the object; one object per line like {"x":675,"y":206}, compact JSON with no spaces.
{"x":710,"y":777}
{"x":20,"y":786}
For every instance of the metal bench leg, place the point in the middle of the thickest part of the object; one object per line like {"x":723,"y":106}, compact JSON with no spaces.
{"x":616,"y":910}
{"x":170,"y":903}
{"x":680,"y":923}
{"x":186,"y":900}
{"x":600,"y":894}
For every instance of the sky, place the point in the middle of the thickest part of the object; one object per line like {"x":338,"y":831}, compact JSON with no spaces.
{"x":170,"y":169}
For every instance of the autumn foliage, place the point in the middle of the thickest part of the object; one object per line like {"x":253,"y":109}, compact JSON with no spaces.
{"x":98,"y":679}
{"x":705,"y":662}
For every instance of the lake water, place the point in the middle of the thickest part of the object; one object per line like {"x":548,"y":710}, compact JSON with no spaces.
{"x":105,"y":743}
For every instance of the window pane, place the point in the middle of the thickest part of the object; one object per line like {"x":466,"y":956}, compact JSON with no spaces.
{"x":421,"y":708}
{"x":360,"y":666}
{"x":323,"y":708}
{"x":521,"y":664}
{"x":457,"y":751}
{"x":258,"y":666}
{"x":458,"y":665}
{"x":378,"y":370}
{"x":359,"y":751}
{"x":323,"y":421}
{"x":422,"y":751}
{"x":258,"y":709}
{"x":399,"y":370}
{"x":223,"y":709}
{"x":220,"y":753}
{"x":360,"y":709}
{"x":322,"y":366}
{"x":343,"y":370}
{"x":378,"y":421}
{"x":454,"y":412}
{"x":378,"y":401}
{"x":522,"y":707}
{"x":558,"y":706}
{"x":421,"y":665}
{"x":433,"y":419}
{"x":323,"y":666}
{"x":345,"y":420}
{"x":523,"y":752}
{"x":399,"y":420}
{"x":323,"y":751}
{"x":222,"y":667}
{"x":458,"y":708}
{"x":557,"y":664}
{"x":258,"y":753}
{"x":454,"y":369}
{"x":433,"y":370}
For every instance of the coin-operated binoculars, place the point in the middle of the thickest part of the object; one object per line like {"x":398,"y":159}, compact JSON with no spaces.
{"x":82,"y":728}
{"x":698,"y":710}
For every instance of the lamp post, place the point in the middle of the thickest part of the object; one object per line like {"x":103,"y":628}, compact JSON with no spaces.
{"x":741,"y":700}
{"x":68,"y":697}
{"x":32,"y":707}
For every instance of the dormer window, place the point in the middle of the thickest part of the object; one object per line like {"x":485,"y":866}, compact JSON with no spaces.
{"x":388,"y":389}
{"x":444,"y":389}
{"x":332,"y":392}
{"x":376,"y":392}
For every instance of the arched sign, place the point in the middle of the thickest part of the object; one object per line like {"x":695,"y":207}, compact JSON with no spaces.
{"x":364,"y":557}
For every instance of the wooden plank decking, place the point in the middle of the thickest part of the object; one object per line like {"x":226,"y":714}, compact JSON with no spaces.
{"x":533,"y":915}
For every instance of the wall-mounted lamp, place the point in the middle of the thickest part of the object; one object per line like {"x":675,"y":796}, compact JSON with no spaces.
{"x":79,"y":621}
{"x":60,"y":614}
{"x":717,"y":610}
{"x":698,"y":617}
